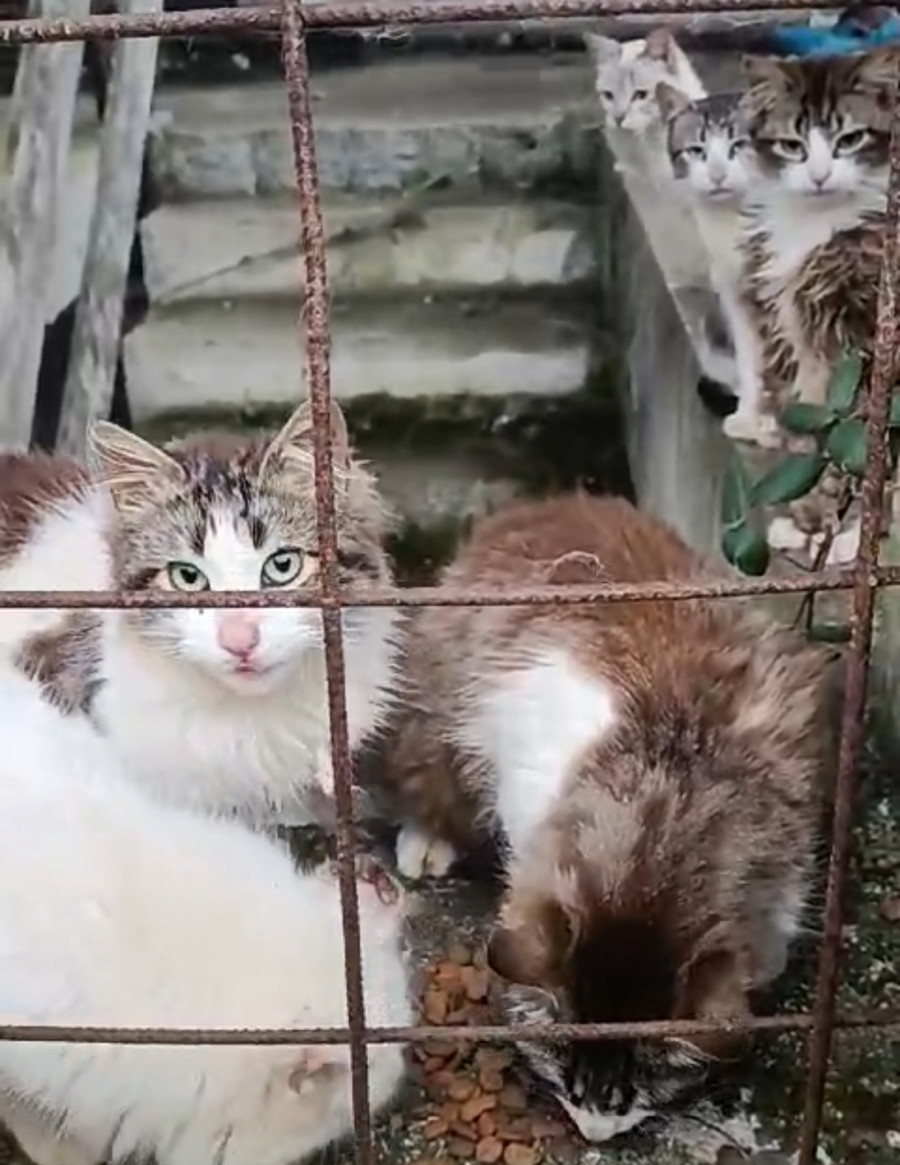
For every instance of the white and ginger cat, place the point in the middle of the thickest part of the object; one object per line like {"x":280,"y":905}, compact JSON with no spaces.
{"x":117,"y":910}
{"x":820,"y":127}
{"x":626,"y":74}
{"x":653,"y":773}
{"x":712,"y":156}
{"x":220,"y":710}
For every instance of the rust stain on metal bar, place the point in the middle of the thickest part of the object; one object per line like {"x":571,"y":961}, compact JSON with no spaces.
{"x":357,"y":14}
{"x":318,"y":342}
{"x":878,"y":402}
{"x":448,"y":596}
{"x":550,"y":1033}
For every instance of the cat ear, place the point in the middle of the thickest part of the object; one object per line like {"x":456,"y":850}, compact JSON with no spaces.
{"x":127,"y":465}
{"x":661,"y":46}
{"x":602,"y":48}
{"x":313,"y":1066}
{"x":533,"y":951}
{"x":879,"y":67}
{"x":768,"y":71}
{"x":714,"y":988}
{"x":294,"y":443}
{"x":671,"y":101}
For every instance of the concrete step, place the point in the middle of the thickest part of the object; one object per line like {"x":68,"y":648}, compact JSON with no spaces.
{"x":210,"y":354}
{"x":229,"y":249}
{"x":516,"y":123}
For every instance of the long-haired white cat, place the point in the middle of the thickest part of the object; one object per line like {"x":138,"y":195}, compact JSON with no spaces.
{"x":220,"y":710}
{"x":118,"y":910}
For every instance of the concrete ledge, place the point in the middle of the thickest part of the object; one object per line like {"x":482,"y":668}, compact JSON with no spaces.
{"x":250,"y":247}
{"x":509,"y":122}
{"x":208,"y":354}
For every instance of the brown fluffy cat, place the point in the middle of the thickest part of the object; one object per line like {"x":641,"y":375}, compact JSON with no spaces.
{"x":653,"y":771}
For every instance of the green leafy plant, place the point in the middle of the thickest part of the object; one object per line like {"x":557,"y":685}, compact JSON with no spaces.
{"x":841,"y":442}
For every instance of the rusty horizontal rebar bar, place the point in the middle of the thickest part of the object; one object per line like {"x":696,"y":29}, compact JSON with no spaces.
{"x":716,"y":588}
{"x":358,"y":14}
{"x":553,"y":1032}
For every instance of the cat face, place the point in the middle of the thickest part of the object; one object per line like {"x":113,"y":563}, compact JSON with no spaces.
{"x":821,"y":126}
{"x":563,"y":968}
{"x":626,"y":75}
{"x":218,"y":514}
{"x":607,"y":1087}
{"x":709,"y":144}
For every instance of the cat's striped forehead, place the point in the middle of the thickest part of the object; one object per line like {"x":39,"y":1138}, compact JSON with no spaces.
{"x":221,"y":482}
{"x":793,"y":96}
{"x":717,"y":116}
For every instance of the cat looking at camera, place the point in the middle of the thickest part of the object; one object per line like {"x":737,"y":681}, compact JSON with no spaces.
{"x":652,"y":774}
{"x":820,"y":127}
{"x":713,"y":158}
{"x":220,"y":710}
{"x":119,"y":911}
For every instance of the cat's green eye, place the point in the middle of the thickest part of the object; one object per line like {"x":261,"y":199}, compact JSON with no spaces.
{"x":736,"y":147}
{"x":184,"y":576}
{"x":697,"y":152}
{"x":608,"y":95}
{"x":641,"y":94}
{"x":282,"y":568}
{"x":851,"y":141}
{"x":791,"y":149}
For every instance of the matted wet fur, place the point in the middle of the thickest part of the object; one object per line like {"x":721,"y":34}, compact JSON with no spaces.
{"x":656,"y":770}
{"x":223,"y":710}
{"x":820,"y":127}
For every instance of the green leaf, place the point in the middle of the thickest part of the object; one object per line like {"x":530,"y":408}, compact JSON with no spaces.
{"x":735,"y":493}
{"x":789,"y":479}
{"x":746,"y":549}
{"x":800,"y":417}
{"x":846,"y":446}
{"x":843,"y":382}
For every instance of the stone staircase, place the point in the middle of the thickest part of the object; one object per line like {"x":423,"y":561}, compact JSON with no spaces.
{"x":464,"y":221}
{"x":457,"y":197}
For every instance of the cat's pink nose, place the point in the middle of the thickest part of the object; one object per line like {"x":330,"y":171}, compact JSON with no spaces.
{"x":238,"y":634}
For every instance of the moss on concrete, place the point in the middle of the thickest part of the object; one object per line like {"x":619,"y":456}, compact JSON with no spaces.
{"x":539,"y":446}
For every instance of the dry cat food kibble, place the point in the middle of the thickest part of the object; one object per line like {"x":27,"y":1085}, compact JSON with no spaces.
{"x":476,"y":1107}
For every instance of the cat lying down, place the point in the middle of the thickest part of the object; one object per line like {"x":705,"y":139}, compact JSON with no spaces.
{"x":116,"y":910}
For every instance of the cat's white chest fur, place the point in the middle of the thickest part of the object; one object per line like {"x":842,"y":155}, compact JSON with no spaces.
{"x":531,"y":725}
{"x":796,"y":226}
{"x":191,"y":741}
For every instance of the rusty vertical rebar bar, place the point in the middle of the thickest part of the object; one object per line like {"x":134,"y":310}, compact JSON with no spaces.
{"x":318,"y":359}
{"x":878,"y":403}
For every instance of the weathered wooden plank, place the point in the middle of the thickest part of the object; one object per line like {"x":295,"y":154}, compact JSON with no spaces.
{"x":98,"y":318}
{"x":38,"y":145}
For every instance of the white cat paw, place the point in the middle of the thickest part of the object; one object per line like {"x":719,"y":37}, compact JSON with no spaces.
{"x":421,"y":856}
{"x":750,"y":427}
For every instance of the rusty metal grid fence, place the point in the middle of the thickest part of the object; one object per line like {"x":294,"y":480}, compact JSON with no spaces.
{"x":292,"y":20}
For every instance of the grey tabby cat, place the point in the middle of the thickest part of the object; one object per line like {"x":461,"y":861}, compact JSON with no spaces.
{"x":712,"y":156}
{"x":820,"y":127}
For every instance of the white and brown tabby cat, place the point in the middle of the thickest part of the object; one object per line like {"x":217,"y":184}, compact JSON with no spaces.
{"x":820,"y":127}
{"x":219,"y":710}
{"x":653,"y":771}
{"x":712,"y":156}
